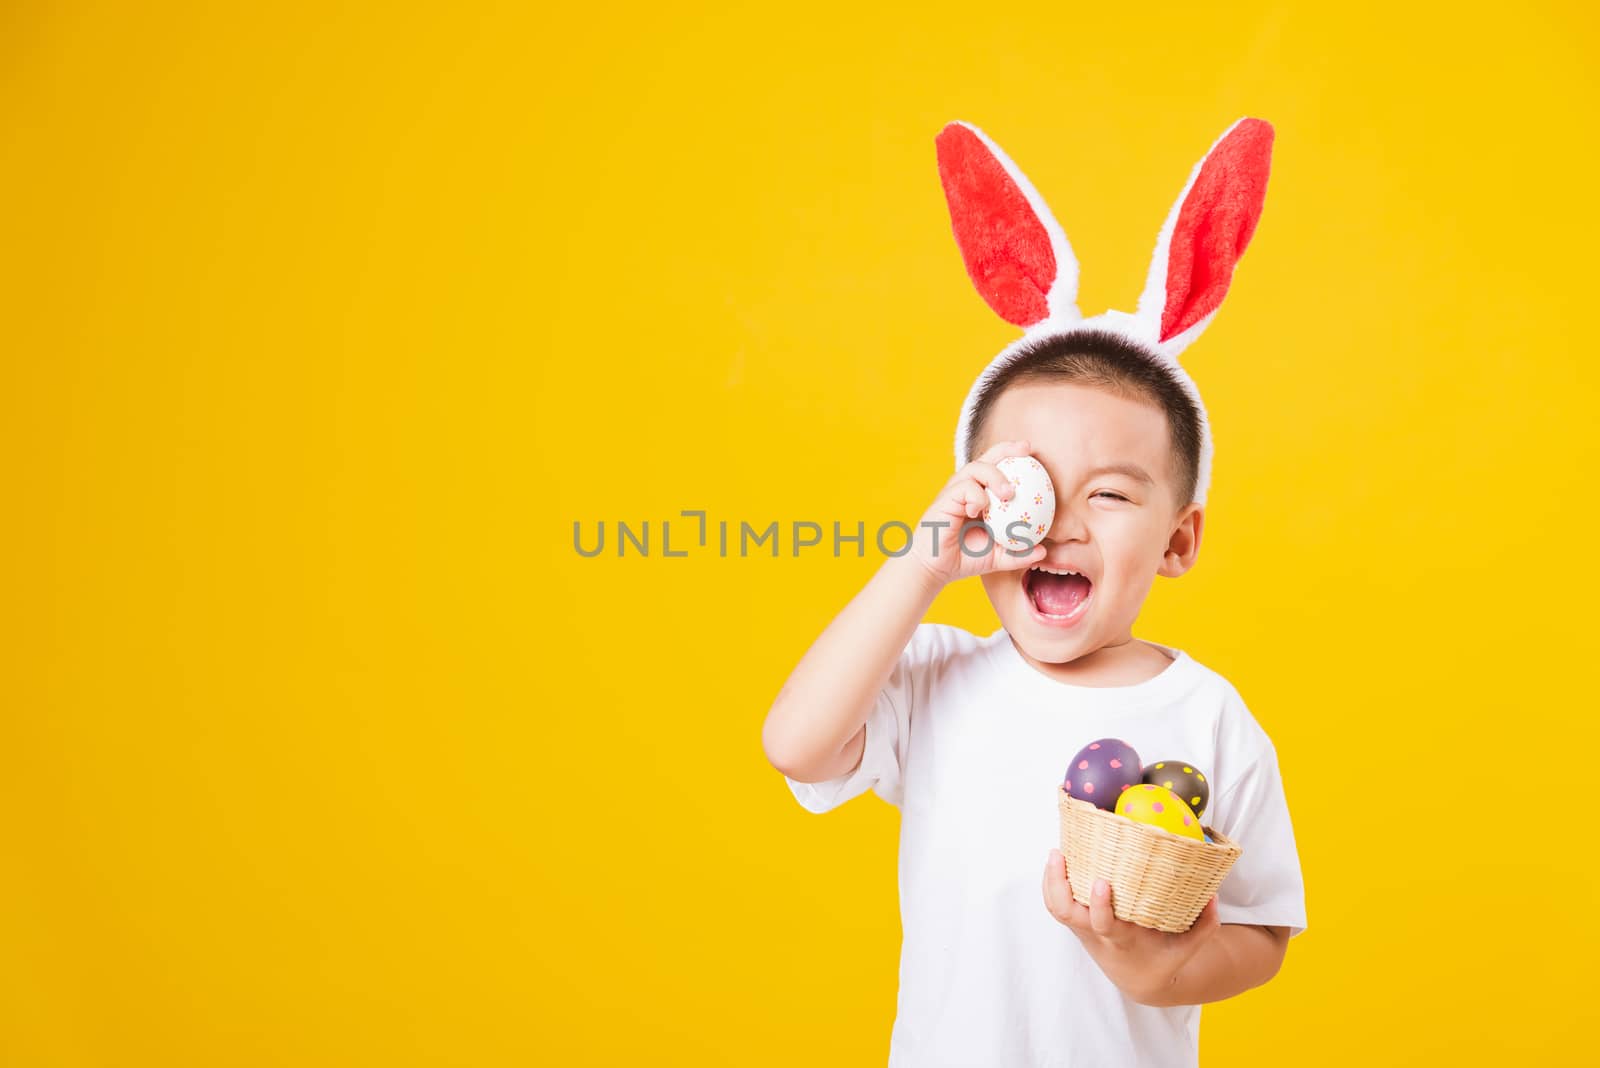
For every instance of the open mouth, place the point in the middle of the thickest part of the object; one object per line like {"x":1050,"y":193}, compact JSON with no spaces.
{"x":1059,"y":596}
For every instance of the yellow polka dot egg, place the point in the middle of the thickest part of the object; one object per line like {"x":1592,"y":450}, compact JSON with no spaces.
{"x":1160,"y":807}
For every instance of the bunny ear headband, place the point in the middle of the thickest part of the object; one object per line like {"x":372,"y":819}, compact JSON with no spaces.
{"x":1018,"y":257}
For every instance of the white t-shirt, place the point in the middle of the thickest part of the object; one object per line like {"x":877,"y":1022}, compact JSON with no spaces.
{"x":970,"y":742}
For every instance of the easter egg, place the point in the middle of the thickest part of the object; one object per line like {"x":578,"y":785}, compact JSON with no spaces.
{"x":1101,"y":771}
{"x":1203,"y":831}
{"x":1183,"y":779}
{"x":1031,"y":509}
{"x":1160,"y":807}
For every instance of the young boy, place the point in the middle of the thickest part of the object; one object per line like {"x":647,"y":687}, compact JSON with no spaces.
{"x":969,"y":736}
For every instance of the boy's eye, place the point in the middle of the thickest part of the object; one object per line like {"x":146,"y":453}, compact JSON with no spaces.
{"x":1113,"y":496}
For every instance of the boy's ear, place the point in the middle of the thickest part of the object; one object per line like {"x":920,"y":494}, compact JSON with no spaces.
{"x":1015,"y":252}
{"x":1183,"y":547}
{"x":1205,"y":235}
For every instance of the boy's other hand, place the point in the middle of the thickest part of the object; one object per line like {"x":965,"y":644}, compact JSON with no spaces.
{"x":1141,"y":961}
{"x":938,"y":548}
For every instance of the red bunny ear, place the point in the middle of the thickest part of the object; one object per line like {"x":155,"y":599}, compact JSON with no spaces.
{"x":1015,"y":253}
{"x":1215,"y":217}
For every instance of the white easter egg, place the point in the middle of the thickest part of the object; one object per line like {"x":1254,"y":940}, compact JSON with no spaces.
{"x":1033,"y":504}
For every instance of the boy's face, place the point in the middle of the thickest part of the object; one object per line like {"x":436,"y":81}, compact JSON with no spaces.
{"x":1113,"y":527}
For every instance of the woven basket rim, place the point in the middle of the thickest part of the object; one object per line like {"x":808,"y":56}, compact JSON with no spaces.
{"x":1220,"y":843}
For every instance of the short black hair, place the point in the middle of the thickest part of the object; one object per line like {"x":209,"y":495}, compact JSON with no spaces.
{"x":1113,"y":363}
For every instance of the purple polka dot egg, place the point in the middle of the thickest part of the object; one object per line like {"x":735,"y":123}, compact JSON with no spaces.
{"x":1101,"y":771}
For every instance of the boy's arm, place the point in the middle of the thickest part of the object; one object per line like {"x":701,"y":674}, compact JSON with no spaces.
{"x":816,"y":728}
{"x":811,"y":732}
{"x":1239,"y":957}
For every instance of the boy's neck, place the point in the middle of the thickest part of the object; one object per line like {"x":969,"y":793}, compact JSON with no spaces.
{"x":1124,"y":663}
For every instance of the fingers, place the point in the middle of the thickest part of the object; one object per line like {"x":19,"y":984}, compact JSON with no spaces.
{"x":1098,"y":917}
{"x":968,"y":492}
{"x":1102,"y":917}
{"x":1058,"y":894}
{"x":966,"y":497}
{"x":970,"y":548}
{"x":991,"y":477}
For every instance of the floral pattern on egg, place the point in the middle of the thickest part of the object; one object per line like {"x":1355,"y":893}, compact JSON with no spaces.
{"x":1033,"y":504}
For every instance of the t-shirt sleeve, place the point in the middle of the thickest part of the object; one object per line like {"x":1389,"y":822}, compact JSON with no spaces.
{"x":1264,"y":886}
{"x":882,"y":766}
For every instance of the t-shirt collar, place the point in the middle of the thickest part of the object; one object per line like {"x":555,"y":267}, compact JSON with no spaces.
{"x":1176,"y":678}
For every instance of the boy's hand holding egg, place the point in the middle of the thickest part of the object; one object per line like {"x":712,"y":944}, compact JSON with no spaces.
{"x":1021,"y":519}
{"x":974,"y":491}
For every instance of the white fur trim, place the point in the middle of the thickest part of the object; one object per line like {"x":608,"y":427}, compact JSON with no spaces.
{"x":1114,"y":322}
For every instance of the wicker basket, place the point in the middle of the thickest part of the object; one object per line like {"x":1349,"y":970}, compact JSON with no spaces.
{"x":1158,"y":879}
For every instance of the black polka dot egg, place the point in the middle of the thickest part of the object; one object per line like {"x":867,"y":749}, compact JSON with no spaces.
{"x":1101,"y":771}
{"x":1183,"y":779}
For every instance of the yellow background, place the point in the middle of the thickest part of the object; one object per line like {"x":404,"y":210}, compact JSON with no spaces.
{"x":322,"y":324}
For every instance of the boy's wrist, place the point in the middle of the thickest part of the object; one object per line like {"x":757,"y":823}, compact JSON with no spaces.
{"x":916,"y":572}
